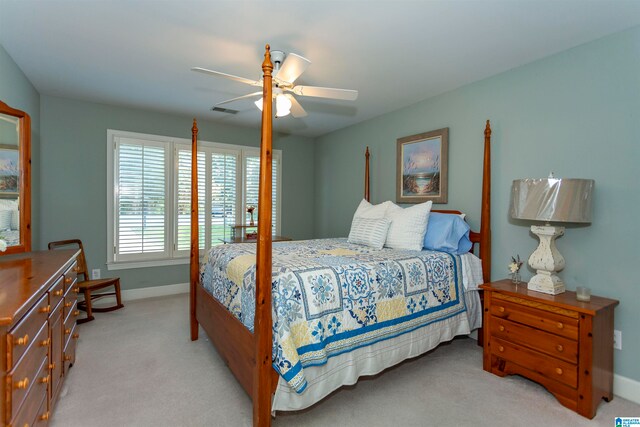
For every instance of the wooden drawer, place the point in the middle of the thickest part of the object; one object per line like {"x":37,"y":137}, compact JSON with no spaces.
{"x":553,"y":345}
{"x":55,"y":355}
{"x":43,"y":415}
{"x":24,"y":375}
{"x":69,"y":305}
{"x":69,"y":355}
{"x":71,"y":276}
{"x":69,"y":326}
{"x":36,"y":392}
{"x":30,"y":411}
{"x":21,"y":336}
{"x":56,"y":293}
{"x":549,"y":367}
{"x":540,"y":319}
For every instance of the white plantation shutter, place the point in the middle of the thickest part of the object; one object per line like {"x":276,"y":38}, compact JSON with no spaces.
{"x":141,"y":199}
{"x":224,"y":189}
{"x":251,"y":188}
{"x":183,"y":195}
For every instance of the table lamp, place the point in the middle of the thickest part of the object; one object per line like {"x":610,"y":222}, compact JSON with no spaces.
{"x":550,"y":200}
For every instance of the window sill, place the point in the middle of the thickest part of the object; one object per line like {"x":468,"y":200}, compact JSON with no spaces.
{"x":144,"y":264}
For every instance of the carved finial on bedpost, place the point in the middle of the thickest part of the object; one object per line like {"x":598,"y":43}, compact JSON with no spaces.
{"x":487,"y":130}
{"x":194,"y":128}
{"x":267,"y":66}
{"x":367,"y":196}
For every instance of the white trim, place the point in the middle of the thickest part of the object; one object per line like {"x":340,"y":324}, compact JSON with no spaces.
{"x":626,"y":388}
{"x":143,"y":264}
{"x":155,"y":291}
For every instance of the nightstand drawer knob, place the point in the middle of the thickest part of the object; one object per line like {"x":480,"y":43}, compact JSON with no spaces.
{"x":501,"y":328}
{"x":560,"y":325}
{"x":501,"y":348}
{"x":559,"y":371}
{"x":559,"y":347}
{"x":501,"y":309}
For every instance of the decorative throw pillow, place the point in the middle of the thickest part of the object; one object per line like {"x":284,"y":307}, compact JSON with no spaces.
{"x":5,"y":219}
{"x":15,"y":219}
{"x":447,"y":233}
{"x":367,"y":210}
{"x":408,"y":226}
{"x":369,"y":231}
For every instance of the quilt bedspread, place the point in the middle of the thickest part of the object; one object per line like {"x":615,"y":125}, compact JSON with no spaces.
{"x":330,"y":296}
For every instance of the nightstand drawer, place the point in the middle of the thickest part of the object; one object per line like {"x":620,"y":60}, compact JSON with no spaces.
{"x":553,"y":345}
{"x":550,"y":367}
{"x":539,"y":319}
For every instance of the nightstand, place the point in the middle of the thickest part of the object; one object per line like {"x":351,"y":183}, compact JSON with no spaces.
{"x":564,"y":344}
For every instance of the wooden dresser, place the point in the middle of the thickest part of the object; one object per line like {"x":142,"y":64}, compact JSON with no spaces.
{"x":563,"y":344}
{"x":38,"y":311}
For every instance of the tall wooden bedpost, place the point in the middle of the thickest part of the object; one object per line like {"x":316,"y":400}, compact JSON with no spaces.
{"x":485,"y":221}
{"x":367,"y":196}
{"x":195,"y":254}
{"x":262,"y":386}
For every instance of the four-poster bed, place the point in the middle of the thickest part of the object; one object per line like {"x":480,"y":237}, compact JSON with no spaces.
{"x":249,"y":354}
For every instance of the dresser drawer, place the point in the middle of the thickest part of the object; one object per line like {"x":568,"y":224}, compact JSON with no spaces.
{"x":29,"y":413}
{"x":56,"y":293}
{"x":71,"y":276}
{"x":540,"y":319}
{"x":69,"y":355}
{"x":550,"y":367}
{"x":25,"y":403}
{"x":43,"y":415}
{"x":553,"y":345}
{"x":23,"y":334}
{"x":69,"y":326}
{"x":24,"y":375}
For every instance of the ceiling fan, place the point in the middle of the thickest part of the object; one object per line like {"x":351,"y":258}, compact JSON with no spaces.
{"x":287,"y":68}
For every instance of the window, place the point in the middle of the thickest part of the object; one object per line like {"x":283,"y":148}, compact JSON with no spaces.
{"x":150,"y":200}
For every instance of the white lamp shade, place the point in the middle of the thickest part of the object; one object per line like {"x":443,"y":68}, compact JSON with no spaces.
{"x":552,"y":200}
{"x":283,"y":105}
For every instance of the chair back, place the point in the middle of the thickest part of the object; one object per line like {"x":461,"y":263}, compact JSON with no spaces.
{"x":69,"y":244}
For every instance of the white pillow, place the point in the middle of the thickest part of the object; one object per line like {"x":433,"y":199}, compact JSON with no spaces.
{"x":15,"y":219}
{"x":367,"y":210}
{"x":369,"y":231}
{"x":5,"y":219}
{"x":408,"y":226}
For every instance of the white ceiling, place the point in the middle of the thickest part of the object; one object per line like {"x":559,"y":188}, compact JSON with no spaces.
{"x":395,"y":53}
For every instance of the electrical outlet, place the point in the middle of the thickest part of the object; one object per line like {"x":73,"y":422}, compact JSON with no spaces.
{"x":95,"y":274}
{"x":617,"y":339}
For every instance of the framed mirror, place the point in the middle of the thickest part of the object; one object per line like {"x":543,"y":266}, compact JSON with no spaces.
{"x":15,"y":180}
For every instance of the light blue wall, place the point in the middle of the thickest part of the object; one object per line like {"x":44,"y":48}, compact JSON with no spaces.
{"x":18,"y":92}
{"x":74,"y":176}
{"x":576,"y":113}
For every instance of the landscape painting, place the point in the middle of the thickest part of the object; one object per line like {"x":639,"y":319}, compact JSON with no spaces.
{"x":422,"y":167}
{"x":9,"y":169}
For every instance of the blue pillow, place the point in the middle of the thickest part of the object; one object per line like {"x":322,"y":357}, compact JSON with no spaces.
{"x":447,"y":233}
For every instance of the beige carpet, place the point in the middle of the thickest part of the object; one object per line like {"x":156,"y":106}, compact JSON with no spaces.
{"x":137,"y":367}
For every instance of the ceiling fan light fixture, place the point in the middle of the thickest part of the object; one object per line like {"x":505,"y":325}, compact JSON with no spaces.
{"x":259,"y":104}
{"x":283,"y":105}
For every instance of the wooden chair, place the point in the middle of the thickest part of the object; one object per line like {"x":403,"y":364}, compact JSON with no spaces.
{"x":87,"y":287}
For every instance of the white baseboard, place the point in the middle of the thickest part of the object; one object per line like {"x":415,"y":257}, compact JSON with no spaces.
{"x":626,"y":388}
{"x":155,"y":291}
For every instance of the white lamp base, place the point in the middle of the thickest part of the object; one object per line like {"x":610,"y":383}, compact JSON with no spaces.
{"x":546,"y":260}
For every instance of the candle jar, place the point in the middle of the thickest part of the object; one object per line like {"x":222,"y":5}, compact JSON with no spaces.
{"x":583,"y":293}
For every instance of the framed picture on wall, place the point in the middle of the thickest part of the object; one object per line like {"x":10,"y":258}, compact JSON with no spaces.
{"x":9,"y":170}
{"x":421,"y":167}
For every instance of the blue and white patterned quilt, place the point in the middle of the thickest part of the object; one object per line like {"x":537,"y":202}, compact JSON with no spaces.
{"x":330,"y":296}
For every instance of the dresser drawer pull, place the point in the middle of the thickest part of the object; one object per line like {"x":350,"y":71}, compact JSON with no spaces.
{"x":501,"y":328}
{"x":68,"y":304}
{"x":76,"y":290}
{"x":67,"y":331}
{"x":75,"y":336}
{"x":58,"y":293}
{"x":45,"y":416}
{"x":46,"y":309}
{"x":559,"y":371}
{"x":23,"y":384}
{"x":501,"y":309}
{"x":44,"y":380}
{"x":52,"y":366}
{"x":23,"y":340}
{"x":68,"y":280}
{"x":67,"y":358}
{"x":76,"y":269}
{"x":76,"y":313}
{"x":500,"y":348}
{"x":45,"y":343}
{"x":560,"y":325}
{"x":559,"y":347}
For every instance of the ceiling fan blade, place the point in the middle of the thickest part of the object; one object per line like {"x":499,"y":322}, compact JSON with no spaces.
{"x":296,"y":109}
{"x":292,"y":67}
{"x":240,"y":97}
{"x":326,"y":92}
{"x":227,"y":76}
